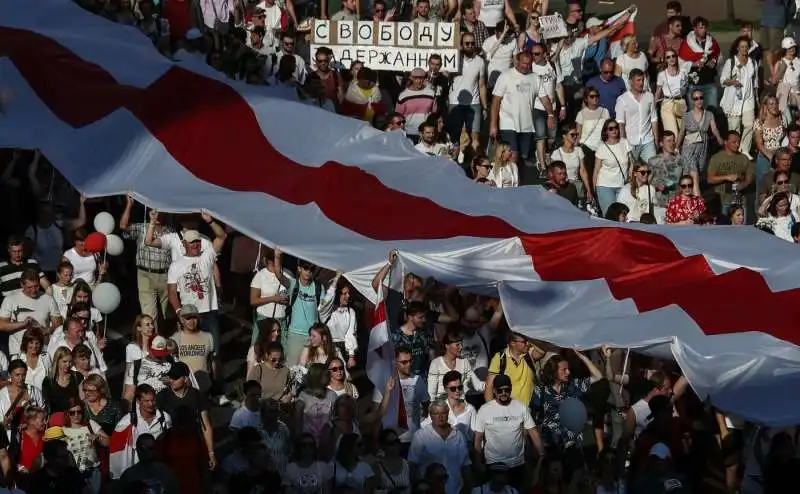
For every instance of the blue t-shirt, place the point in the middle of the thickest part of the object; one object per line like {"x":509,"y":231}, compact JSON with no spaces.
{"x":608,"y":91}
{"x":304,"y":309}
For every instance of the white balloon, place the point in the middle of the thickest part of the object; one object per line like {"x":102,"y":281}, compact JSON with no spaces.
{"x":571,"y":414}
{"x":114,"y":245}
{"x":104,"y":223}
{"x":106,"y":297}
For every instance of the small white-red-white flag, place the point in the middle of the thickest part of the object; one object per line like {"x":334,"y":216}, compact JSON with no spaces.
{"x":381,"y":366}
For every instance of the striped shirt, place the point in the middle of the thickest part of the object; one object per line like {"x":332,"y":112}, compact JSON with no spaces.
{"x":10,"y":274}
{"x":147,"y":257}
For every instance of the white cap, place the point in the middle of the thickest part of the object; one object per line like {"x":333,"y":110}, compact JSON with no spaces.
{"x":593,"y":22}
{"x":788,"y":42}
{"x":660,"y":451}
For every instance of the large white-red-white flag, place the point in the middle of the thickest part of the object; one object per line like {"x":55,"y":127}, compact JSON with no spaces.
{"x":381,"y":367}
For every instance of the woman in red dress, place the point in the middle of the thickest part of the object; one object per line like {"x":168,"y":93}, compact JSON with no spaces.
{"x":685,"y":208}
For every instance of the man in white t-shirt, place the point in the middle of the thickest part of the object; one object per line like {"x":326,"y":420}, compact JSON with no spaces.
{"x":190,"y":279}
{"x":638,"y":119}
{"x":476,"y":345}
{"x":468,"y":100}
{"x":500,"y":429}
{"x":27,"y":308}
{"x":499,"y":51}
{"x":513,"y":99}
{"x":268,"y":294}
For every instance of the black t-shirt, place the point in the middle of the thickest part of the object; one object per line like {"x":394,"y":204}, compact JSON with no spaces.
{"x":169,"y":402}
{"x":56,"y":396}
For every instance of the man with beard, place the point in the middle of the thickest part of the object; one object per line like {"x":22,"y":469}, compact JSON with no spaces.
{"x":468,"y":95}
{"x":513,"y":101}
{"x":557,"y":181}
{"x":427,"y":140}
{"x":500,"y":429}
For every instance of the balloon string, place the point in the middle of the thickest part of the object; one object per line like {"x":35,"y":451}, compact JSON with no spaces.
{"x":624,"y":369}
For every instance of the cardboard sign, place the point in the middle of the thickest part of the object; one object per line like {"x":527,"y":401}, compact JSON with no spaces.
{"x":396,"y":58}
{"x":552,"y":26}
{"x":399,"y":46}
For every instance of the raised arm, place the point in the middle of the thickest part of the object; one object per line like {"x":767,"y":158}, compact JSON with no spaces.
{"x":219,"y":232}
{"x":384,"y":271}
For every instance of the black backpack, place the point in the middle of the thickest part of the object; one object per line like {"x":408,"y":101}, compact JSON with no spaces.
{"x":504,"y":362}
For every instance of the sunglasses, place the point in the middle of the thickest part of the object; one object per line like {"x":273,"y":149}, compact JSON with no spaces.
{"x":75,"y":412}
{"x":504,"y":389}
{"x":485,"y":165}
{"x":686,"y":186}
{"x":537,"y":53}
{"x":612,"y":127}
{"x":782,"y":182}
{"x":288,"y":43}
{"x":607,"y":72}
{"x":336,"y":369}
{"x":322,"y":60}
{"x":697,"y":98}
{"x":460,"y":387}
{"x":643,"y":172}
{"x":469,"y":44}
{"x":670,"y":57}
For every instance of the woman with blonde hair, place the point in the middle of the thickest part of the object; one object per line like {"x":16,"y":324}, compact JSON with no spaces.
{"x":769,"y":133}
{"x":532,"y":35}
{"x":320,"y":346}
{"x":504,"y":172}
{"x":631,"y":58}
{"x":671,"y":85}
{"x":61,"y":382}
{"x":143,"y":331}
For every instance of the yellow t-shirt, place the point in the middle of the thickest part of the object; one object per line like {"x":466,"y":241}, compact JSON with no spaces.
{"x":520,"y":373}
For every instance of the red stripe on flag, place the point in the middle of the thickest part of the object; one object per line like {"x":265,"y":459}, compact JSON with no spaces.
{"x":182,"y":103}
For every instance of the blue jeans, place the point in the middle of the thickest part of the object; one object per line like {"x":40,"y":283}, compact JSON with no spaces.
{"x":643,"y":152}
{"x":521,"y":142}
{"x":763,"y":165}
{"x":209,"y":322}
{"x":710,"y":94}
{"x":606,"y":196}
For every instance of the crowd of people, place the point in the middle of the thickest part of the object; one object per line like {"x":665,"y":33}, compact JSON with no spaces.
{"x":681,"y":133}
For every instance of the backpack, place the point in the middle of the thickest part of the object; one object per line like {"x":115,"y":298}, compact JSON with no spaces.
{"x":504,"y":362}
{"x":293,"y":298}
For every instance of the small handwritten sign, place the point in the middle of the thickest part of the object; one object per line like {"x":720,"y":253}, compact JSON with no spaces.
{"x":553,"y":26}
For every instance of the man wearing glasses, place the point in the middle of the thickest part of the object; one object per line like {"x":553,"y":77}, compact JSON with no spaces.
{"x":609,"y":86}
{"x":287,"y":49}
{"x":468,"y":100}
{"x":500,"y":428}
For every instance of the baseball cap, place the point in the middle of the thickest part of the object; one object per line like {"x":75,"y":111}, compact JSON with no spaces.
{"x":593,"y":22}
{"x":191,"y":236}
{"x":178,"y":370}
{"x":788,"y":42}
{"x":501,"y":380}
{"x":189,"y":310}
{"x":660,"y":451}
{"x":54,"y":433}
{"x":419,"y":72}
{"x":158,"y":347}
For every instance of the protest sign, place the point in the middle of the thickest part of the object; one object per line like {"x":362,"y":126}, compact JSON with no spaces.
{"x":552,"y":26}
{"x":399,"y":46}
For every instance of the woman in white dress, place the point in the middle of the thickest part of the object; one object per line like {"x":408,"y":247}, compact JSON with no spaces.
{"x":32,"y":347}
{"x":786,"y":74}
{"x":671,"y":86}
{"x":631,"y":58}
{"x":573,"y":158}
{"x":504,"y":172}
{"x":84,"y":263}
{"x":17,"y":395}
{"x":739,"y":79}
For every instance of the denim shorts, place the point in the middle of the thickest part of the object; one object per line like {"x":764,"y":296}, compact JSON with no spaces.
{"x":540,"y":126}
